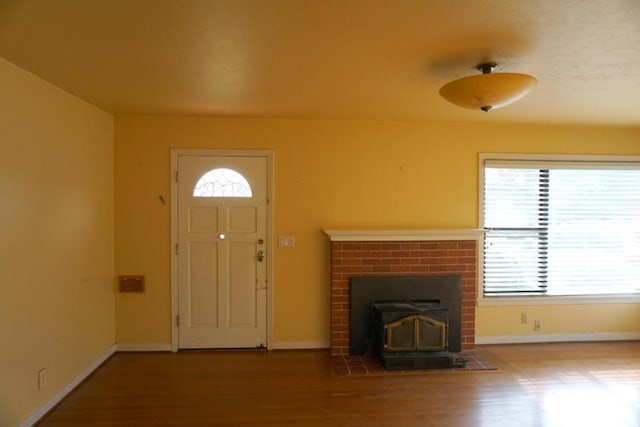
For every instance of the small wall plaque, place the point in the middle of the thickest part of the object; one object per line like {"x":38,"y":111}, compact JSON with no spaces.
{"x":131,"y":284}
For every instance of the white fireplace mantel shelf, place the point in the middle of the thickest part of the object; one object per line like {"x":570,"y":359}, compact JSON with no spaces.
{"x":404,"y":235}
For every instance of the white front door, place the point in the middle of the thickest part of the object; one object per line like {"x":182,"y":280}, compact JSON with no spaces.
{"x":222,"y":233}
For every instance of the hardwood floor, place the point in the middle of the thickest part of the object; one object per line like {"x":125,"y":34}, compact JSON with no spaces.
{"x":568,"y":384}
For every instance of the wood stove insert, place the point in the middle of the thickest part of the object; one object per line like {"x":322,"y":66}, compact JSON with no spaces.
{"x":409,"y":322}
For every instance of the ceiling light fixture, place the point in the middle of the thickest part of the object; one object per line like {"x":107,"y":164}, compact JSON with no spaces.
{"x":488,"y":90}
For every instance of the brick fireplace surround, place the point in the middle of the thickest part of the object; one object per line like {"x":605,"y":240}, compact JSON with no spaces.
{"x":400,"y":253}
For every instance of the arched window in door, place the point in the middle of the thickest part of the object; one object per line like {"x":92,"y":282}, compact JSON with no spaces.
{"x":222,"y":182}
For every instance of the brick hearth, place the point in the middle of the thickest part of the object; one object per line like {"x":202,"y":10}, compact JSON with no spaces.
{"x":400,"y":254}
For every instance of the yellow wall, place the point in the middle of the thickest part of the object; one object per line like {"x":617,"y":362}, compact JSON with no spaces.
{"x":330,"y":174}
{"x":56,"y":245}
{"x":574,"y":319}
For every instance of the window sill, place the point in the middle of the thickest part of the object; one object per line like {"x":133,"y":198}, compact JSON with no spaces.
{"x":559,"y":300}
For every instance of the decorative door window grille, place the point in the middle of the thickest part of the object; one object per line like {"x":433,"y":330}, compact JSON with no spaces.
{"x":222,"y":182}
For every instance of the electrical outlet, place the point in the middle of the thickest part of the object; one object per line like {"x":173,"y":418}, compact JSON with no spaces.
{"x":523,"y":318}
{"x":537,"y":325}
{"x":42,"y":378}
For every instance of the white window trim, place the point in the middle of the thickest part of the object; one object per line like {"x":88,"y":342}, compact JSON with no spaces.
{"x":540,"y":299}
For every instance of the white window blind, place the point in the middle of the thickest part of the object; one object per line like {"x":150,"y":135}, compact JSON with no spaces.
{"x":560,"y":228}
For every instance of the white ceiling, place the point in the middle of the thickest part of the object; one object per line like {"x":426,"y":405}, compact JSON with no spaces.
{"x":339,"y":59}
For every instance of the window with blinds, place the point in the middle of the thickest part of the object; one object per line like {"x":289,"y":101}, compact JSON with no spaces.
{"x":561,"y":228}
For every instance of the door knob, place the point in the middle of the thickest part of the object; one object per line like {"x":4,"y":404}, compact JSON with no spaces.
{"x":260,"y":256}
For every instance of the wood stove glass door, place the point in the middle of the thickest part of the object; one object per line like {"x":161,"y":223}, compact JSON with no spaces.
{"x":416,"y":333}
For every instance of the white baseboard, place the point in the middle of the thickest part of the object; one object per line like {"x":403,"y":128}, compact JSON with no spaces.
{"x":42,"y":410}
{"x":524,"y":339}
{"x":128,"y":347}
{"x":284,"y":345}
{"x":300,"y":345}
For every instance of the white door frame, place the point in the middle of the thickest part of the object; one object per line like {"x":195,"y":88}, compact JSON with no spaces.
{"x":175,"y":154}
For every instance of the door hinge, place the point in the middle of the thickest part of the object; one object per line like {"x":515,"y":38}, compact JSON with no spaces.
{"x":178,"y":320}
{"x":177,"y":176}
{"x":177,"y":248}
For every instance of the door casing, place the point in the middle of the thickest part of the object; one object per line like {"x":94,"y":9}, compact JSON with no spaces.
{"x":175,"y":154}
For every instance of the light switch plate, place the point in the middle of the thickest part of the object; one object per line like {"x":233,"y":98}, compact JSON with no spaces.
{"x":286,"y":242}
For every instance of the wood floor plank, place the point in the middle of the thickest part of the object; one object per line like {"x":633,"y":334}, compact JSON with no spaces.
{"x":541,"y":385}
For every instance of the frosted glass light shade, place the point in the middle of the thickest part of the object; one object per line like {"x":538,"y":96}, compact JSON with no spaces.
{"x":488,"y":91}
